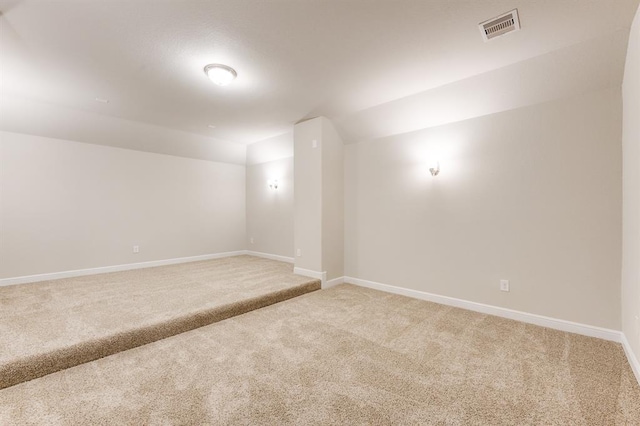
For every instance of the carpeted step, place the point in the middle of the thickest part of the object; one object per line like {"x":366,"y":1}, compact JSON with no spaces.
{"x":30,"y":367}
{"x":23,"y":318}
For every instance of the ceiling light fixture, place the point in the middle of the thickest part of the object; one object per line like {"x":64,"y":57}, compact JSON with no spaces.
{"x":220,"y":74}
{"x":211,"y":126}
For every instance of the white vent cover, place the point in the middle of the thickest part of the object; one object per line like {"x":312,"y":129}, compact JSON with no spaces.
{"x":500,"y":25}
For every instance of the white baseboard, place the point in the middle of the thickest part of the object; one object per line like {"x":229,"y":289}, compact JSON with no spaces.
{"x":631,"y":356}
{"x":332,"y":283}
{"x":115,"y":268}
{"x":270,"y":256}
{"x":322,"y":276}
{"x":556,"y":324}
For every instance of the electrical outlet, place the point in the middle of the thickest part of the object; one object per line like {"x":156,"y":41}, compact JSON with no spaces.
{"x":251,"y":240}
{"x":314,"y":143}
{"x":136,"y":249}
{"x":299,"y":252}
{"x":504,"y":285}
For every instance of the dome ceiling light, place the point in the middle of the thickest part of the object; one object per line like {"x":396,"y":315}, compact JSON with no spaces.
{"x":220,"y":74}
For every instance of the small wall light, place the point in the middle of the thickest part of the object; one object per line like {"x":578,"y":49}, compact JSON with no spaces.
{"x":434,"y":168}
{"x":273,"y":184}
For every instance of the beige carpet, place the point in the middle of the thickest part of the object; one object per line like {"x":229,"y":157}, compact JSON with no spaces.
{"x":48,"y":326}
{"x":346,"y":355}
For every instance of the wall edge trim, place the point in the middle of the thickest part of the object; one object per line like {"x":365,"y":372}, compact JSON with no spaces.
{"x":631,"y":357}
{"x":332,"y":283}
{"x":270,"y":256}
{"x":114,"y":268}
{"x":311,"y":274}
{"x":540,"y":320}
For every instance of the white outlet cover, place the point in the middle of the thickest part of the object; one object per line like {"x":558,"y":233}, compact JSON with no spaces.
{"x":504,"y":285}
{"x":299,"y":252}
{"x":136,"y":249}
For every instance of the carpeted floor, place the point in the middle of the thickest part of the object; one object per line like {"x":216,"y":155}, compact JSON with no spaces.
{"x":346,"y":355}
{"x":51,"y":325}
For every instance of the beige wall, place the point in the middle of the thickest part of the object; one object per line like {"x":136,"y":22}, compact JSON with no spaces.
{"x":531,"y":195}
{"x":68,"y":205}
{"x":269,"y":211}
{"x":271,"y":149}
{"x":631,"y":191}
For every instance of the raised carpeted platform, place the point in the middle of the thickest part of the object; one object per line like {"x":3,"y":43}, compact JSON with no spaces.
{"x":53,"y":325}
{"x":346,"y":355}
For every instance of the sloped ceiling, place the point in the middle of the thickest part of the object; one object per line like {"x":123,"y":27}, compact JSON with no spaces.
{"x":357,"y":62}
{"x":588,"y":66}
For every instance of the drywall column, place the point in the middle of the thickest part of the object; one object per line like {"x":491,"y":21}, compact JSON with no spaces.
{"x":307,"y":195}
{"x":318,"y":199}
{"x":332,"y":201}
{"x":631,"y":197}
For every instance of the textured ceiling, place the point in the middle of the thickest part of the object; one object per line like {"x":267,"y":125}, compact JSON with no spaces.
{"x":295,"y":58}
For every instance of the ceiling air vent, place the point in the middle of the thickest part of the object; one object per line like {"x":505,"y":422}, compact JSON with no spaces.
{"x":500,"y":25}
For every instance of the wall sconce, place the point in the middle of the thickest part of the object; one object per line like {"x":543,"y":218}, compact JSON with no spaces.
{"x":434,"y":168}
{"x":273,"y":184}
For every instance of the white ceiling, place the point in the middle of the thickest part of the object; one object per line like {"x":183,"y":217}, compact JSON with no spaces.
{"x":295,"y":58}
